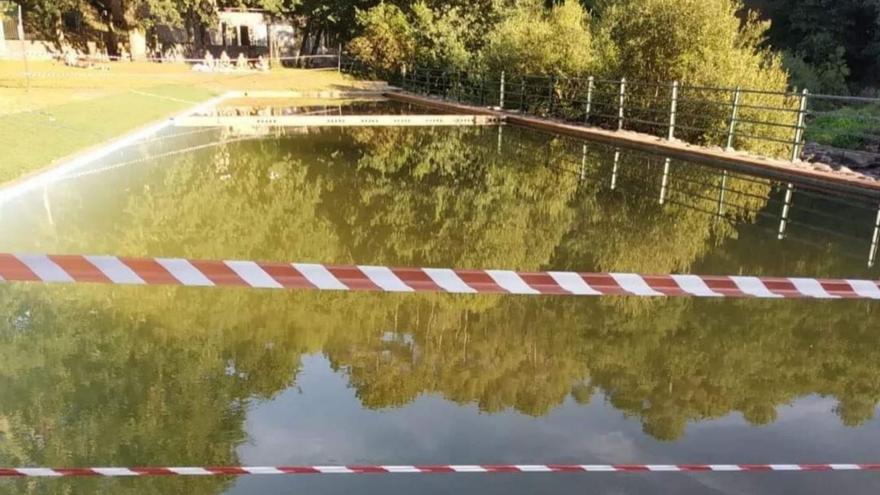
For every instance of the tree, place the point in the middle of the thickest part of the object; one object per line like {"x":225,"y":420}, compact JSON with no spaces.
{"x":111,"y":21}
{"x":388,"y":42}
{"x":840,"y":39}
{"x":700,"y":43}
{"x":696,"y":41}
{"x":45,"y":17}
{"x":829,"y":76}
{"x":530,"y":39}
{"x":444,"y":37}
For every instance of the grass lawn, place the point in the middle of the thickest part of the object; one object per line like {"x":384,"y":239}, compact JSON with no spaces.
{"x":67,"y":109}
{"x":847,"y":127}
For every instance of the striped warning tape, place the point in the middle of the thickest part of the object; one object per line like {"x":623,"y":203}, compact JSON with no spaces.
{"x":427,"y":469}
{"x":200,"y":273}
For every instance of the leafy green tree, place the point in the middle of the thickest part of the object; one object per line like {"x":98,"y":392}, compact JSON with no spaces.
{"x":444,"y":37}
{"x":530,"y":39}
{"x":45,"y":17}
{"x":110,"y":22}
{"x":701,"y":43}
{"x":838,"y":38}
{"x":829,"y":76}
{"x":436,"y":35}
{"x":694,"y":41}
{"x":387,"y":43}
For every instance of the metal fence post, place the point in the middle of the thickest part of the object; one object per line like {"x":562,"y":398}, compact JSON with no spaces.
{"x":482,"y":90}
{"x":799,"y":129}
{"x":522,"y":94}
{"x":551,"y":95}
{"x":664,"y":184}
{"x":620,"y":106}
{"x":722,"y":194}
{"x":673,"y":108}
{"x":339,"y":59}
{"x":584,"y":163}
{"x":24,"y":50}
{"x":614,"y":169}
{"x":591,"y":81}
{"x":875,"y":241}
{"x":786,"y":208}
{"x":734,"y":115}
{"x":501,"y":92}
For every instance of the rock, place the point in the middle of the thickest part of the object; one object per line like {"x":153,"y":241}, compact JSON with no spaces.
{"x":817,"y":153}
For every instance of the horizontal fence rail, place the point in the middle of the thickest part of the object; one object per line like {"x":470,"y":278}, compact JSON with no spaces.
{"x":772,"y":123}
{"x":202,"y":273}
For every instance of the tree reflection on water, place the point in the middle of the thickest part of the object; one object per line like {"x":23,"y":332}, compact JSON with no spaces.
{"x":126,"y":376}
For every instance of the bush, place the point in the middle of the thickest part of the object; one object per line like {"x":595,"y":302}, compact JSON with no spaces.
{"x":846,"y":127}
{"x":701,"y":43}
{"x":387,"y":42}
{"x":829,"y":77}
{"x":444,"y":36}
{"x":530,"y":39}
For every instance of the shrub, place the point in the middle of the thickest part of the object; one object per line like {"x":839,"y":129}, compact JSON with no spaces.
{"x":530,"y":39}
{"x":444,"y":36}
{"x":702,"y":43}
{"x":846,"y":127}
{"x":387,"y":42}
{"x":829,"y":77}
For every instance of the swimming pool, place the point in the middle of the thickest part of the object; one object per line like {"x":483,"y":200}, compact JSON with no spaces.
{"x":127,"y":376}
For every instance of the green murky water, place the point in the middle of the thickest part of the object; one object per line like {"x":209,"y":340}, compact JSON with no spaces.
{"x":99,"y":375}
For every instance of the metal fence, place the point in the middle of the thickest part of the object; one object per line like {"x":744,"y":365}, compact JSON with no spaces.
{"x":769,"y":123}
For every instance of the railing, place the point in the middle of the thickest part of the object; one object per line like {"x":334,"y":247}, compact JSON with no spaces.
{"x":768,"y":123}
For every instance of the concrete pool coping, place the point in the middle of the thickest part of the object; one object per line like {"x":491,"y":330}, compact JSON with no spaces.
{"x":776,"y":169}
{"x":58,"y":168}
{"x":65,"y":165}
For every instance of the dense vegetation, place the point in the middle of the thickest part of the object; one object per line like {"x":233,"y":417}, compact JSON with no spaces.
{"x":698,"y":41}
{"x":701,"y":43}
{"x":827,"y":45}
{"x":830,"y":45}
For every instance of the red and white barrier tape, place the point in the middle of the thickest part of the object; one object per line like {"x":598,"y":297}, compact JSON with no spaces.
{"x":42,"y":472}
{"x":200,"y":273}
